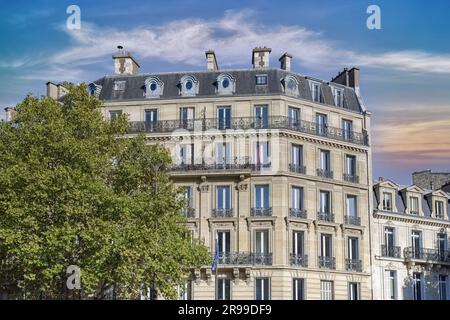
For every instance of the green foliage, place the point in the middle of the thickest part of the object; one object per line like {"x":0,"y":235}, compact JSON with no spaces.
{"x":75,"y":191}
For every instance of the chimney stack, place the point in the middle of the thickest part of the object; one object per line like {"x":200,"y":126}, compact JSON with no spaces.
{"x":260,"y":58}
{"x":349,"y":78}
{"x":285,"y":61}
{"x":9,"y":113}
{"x":211,"y":61}
{"x":124,"y":62}
{"x":56,"y":90}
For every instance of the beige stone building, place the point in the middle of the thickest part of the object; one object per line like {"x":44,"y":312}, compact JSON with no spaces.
{"x":276,"y":167}
{"x":409,"y":230}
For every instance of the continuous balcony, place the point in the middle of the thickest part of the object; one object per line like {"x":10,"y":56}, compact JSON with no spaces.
{"x":299,"y":260}
{"x":261,"y":212}
{"x":188,"y":212}
{"x":391,"y":251}
{"x":298,"y":213}
{"x":353,"y":265}
{"x":327,"y":262}
{"x":351,"y":178}
{"x":352,"y":220}
{"x":222,"y":213}
{"x":297,"y":168}
{"x":428,"y":255}
{"x":246,"y":123}
{"x":244,"y":258}
{"x":325,"y":216}
{"x":325,"y":173}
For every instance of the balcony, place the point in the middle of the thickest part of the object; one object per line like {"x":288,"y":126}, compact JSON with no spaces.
{"x":353,"y":265}
{"x":299,"y":260}
{"x":211,"y":167}
{"x":327,"y":262}
{"x":297,"y":213}
{"x":261,"y":212}
{"x":261,"y":166}
{"x":325,"y":173}
{"x":325,"y":216}
{"x":223,"y":213}
{"x":246,"y":123}
{"x":429,"y":255}
{"x":351,"y":178}
{"x":352,"y":220}
{"x":391,"y":251}
{"x":244,"y":258}
{"x":188,"y":212}
{"x":297,"y":168}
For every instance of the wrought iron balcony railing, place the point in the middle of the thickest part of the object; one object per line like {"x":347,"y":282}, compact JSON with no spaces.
{"x":351,"y":178}
{"x":244,"y":258}
{"x":297,"y":168}
{"x":327,"y":262}
{"x":299,"y":260}
{"x":352,"y":220}
{"x":223,"y":213}
{"x":325,"y":216}
{"x":261,"y":212}
{"x":353,"y":265}
{"x":211,"y":167}
{"x":298,"y":213}
{"x":188,"y":212}
{"x":391,"y":251}
{"x":431,"y":255}
{"x":325,"y":173}
{"x":245,"y":123}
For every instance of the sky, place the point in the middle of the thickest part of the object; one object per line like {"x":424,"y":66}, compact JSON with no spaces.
{"x":405,"y":65}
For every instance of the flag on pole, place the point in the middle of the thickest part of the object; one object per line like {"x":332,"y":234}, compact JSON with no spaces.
{"x":216,"y":256}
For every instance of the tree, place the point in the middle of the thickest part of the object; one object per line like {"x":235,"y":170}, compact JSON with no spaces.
{"x":75,"y":191}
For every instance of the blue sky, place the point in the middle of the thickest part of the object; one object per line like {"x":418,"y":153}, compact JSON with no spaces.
{"x":405,"y":66}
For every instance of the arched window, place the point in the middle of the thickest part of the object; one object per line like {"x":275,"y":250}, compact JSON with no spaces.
{"x":290,"y":84}
{"x":188,"y":86}
{"x":153,"y":87}
{"x":226,"y":84}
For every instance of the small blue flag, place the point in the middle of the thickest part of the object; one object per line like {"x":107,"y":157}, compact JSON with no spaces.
{"x":216,"y":257}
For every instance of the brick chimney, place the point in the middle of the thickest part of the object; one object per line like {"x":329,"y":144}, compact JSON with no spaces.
{"x":260,"y":57}
{"x":285,"y":61}
{"x":124,"y":62}
{"x":349,"y":78}
{"x":211,"y":61}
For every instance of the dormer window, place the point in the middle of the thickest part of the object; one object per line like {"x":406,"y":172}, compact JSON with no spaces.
{"x":414,"y":205}
{"x":439,"y":209}
{"x":95,"y":89}
{"x":188,"y":86}
{"x":261,"y":79}
{"x":153,"y":87}
{"x":226,"y":84}
{"x":387,"y":201}
{"x":119,"y":85}
{"x":338,"y":95}
{"x":315,"y":91}
{"x":290,"y":85}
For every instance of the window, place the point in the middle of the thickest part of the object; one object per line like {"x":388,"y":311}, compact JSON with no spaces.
{"x":262,"y":153}
{"x":224,"y":117}
{"x":352,"y":208}
{"x":223,"y":153}
{"x":261,"y":79}
{"x":414,"y":205}
{"x":389,"y":240}
{"x":119,"y":85}
{"x":223,"y":289}
{"x":185,"y":291}
{"x":298,"y":289}
{"x":315,"y":91}
{"x":353,"y":262}
{"x":294,"y":118}
{"x":188,"y":85}
{"x":321,"y":124}
{"x":187,"y":118}
{"x":297,"y":198}
{"x":326,"y":246}
{"x":297,"y":158}
{"x":325,"y":201}
{"x":290,"y":85}
{"x":262,"y":196}
{"x":151,"y":120}
{"x":417,"y":286}
{"x":153,"y":87}
{"x":262,"y":288}
{"x":261,"y":117}
{"x":226,"y":84}
{"x":113,"y":115}
{"x":353,"y":291}
{"x":298,"y":243}
{"x":261,"y":243}
{"x":338,"y":95}
{"x":442,"y":245}
{"x":443,"y":287}
{"x":416,"y":244}
{"x":347,"y":130}
{"x":188,"y":197}
{"x":326,"y":290}
{"x":223,"y":197}
{"x":186,"y":154}
{"x":387,"y":201}
{"x":439,"y":209}
{"x":223,"y":245}
{"x":390,"y":277}
{"x":350,"y":169}
{"x":325,"y":161}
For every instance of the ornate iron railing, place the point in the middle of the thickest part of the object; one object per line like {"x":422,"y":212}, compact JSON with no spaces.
{"x":351,"y":178}
{"x":297,"y":213}
{"x":297,"y":168}
{"x":325,"y":216}
{"x":352,"y":220}
{"x":325,"y":173}
{"x":245,"y":123}
{"x":261,"y":212}
{"x":299,"y":260}
{"x":327,"y":262}
{"x":353,"y":265}
{"x":391,"y":251}
{"x":188,"y":212}
{"x":433,"y":255}
{"x":223,"y":213}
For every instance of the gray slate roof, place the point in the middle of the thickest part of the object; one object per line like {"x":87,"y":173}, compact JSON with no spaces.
{"x":245,"y":85}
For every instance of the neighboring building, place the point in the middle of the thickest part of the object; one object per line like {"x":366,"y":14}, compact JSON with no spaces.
{"x":276,"y":167}
{"x":430,"y":180}
{"x":410,"y":233}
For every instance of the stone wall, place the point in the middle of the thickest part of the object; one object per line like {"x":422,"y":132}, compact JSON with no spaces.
{"x":430,"y":180}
